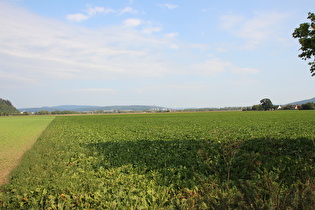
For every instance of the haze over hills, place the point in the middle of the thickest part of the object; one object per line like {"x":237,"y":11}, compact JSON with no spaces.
{"x":303,"y":101}
{"x":82,"y":108}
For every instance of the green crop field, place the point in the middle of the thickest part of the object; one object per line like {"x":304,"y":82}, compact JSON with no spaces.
{"x":214,"y":160}
{"x":17,"y":134}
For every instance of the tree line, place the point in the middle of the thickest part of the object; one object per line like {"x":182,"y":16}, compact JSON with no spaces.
{"x":267,"y":105}
{"x":44,"y":112}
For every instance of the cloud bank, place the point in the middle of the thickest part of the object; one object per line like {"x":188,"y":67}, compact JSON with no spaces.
{"x":92,"y":11}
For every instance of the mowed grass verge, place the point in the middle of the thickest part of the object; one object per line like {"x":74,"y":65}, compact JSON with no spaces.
{"x":18,"y":134}
{"x":215,"y":160}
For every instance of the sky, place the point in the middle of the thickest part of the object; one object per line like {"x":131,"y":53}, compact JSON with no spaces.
{"x":171,"y":53}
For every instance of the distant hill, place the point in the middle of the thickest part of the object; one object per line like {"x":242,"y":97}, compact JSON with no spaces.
{"x":303,"y":101}
{"x":6,"y":108}
{"x":78,"y":108}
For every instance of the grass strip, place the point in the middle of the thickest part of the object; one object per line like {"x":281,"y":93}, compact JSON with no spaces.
{"x":18,"y":134}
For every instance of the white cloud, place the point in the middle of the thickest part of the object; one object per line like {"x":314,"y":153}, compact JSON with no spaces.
{"x":132,"y":22}
{"x":169,"y":6}
{"x":14,"y":80}
{"x":174,"y":46}
{"x":77,"y":17}
{"x":256,"y":30}
{"x":243,"y":70}
{"x":38,"y":49}
{"x":151,"y":29}
{"x":127,"y":10}
{"x":148,"y":27}
{"x":211,"y":67}
{"x":172,"y":35}
{"x":94,"y":10}
{"x":214,"y":66}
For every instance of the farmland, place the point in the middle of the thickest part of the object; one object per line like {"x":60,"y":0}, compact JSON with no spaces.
{"x":17,"y":134}
{"x":214,"y":160}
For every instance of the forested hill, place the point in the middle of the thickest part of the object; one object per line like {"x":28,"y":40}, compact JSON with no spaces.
{"x":312,"y":100}
{"x":6,"y":108}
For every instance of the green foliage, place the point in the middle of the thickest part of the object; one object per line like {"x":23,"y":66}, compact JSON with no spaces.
{"x":308,"y":106}
{"x":218,"y":160}
{"x":287,"y":107}
{"x":306,"y":36}
{"x":63,"y":112}
{"x":6,"y":108}
{"x":257,"y":107}
{"x":266,"y":104}
{"x":43,"y":112}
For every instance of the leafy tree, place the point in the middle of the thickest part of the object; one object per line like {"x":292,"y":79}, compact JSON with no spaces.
{"x":266,"y":104}
{"x":287,"y":107}
{"x":308,"y":106}
{"x":306,"y":35}
{"x":43,"y":112}
{"x":257,"y":107}
{"x":247,"y":108}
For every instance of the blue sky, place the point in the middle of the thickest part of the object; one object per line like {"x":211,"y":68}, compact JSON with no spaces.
{"x":139,"y":52}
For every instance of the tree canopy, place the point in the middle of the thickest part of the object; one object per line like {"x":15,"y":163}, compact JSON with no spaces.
{"x":306,"y":36}
{"x":308,"y":106}
{"x":266,"y":104}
